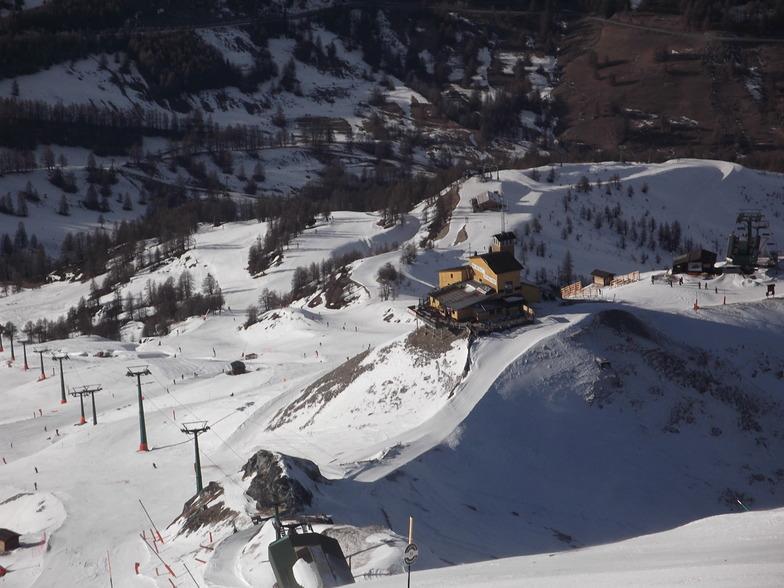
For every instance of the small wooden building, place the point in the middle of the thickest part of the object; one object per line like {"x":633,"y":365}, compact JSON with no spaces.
{"x":696,"y":261}
{"x":490,"y":200}
{"x":8,"y":540}
{"x":237,"y":368}
{"x":602,"y":278}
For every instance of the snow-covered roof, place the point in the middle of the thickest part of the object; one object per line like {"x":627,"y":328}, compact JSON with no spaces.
{"x":488,"y":196}
{"x":462,"y":295}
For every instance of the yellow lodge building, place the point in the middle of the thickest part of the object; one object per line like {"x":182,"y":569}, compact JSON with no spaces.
{"x":489,"y":288}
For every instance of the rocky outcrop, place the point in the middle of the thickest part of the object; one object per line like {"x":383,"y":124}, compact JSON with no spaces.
{"x":207,"y":508}
{"x":283,"y":480}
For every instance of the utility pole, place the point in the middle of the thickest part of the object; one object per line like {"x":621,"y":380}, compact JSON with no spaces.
{"x":60,"y":357}
{"x":41,"y":352}
{"x":137,"y":372}
{"x":81,"y":392}
{"x":194,"y":428}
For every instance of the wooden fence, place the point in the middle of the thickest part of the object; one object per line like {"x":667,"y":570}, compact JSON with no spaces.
{"x":625,"y":279}
{"x":578,"y":291}
{"x":571,"y":290}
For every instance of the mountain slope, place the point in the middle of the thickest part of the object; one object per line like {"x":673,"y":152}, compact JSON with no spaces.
{"x":683,"y":421}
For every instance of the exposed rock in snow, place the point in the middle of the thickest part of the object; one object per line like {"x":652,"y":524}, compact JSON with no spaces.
{"x":204,"y":509}
{"x":282,"y":480}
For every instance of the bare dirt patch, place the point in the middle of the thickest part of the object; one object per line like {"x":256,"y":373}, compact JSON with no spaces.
{"x":431,"y":342}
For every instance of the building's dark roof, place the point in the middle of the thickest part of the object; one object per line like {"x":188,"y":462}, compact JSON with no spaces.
{"x":505,"y":236}
{"x":602,"y":274}
{"x":6,"y":534}
{"x":695,"y":255}
{"x":501,"y":262}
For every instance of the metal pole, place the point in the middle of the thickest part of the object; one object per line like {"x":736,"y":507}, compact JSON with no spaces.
{"x":43,"y":373}
{"x":194,"y":428}
{"x":198,"y":463}
{"x":95,"y":417}
{"x":149,"y":518}
{"x":1,"y":342}
{"x":82,"y":420}
{"x":24,"y":352}
{"x":63,"y":399}
{"x":142,"y":428}
{"x":409,"y":575}
{"x":11,"y":335}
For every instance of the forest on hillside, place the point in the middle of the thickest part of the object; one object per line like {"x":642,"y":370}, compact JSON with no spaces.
{"x":474,"y":72}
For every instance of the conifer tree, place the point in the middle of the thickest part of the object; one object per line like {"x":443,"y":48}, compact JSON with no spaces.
{"x":63,"y":209}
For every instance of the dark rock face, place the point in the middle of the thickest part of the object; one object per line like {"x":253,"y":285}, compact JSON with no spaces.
{"x":283,"y":480}
{"x":205,"y":509}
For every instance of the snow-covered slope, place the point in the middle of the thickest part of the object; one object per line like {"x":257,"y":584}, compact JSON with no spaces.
{"x":728,"y":550}
{"x":43,"y":219}
{"x":562,"y":453}
{"x":534,"y":448}
{"x":704,"y":197}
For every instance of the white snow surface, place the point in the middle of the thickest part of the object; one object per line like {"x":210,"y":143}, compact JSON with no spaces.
{"x":726,"y":550}
{"x":574,"y":474}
